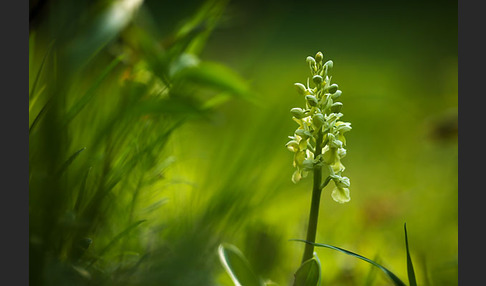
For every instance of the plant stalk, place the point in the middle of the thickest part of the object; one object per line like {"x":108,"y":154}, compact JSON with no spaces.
{"x":316,"y":198}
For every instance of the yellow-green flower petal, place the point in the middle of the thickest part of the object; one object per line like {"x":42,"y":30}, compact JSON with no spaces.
{"x":293,"y":146}
{"x":340,"y":195}
{"x":329,"y":155}
{"x":296,"y":176}
{"x":338,"y":167}
{"x":299,"y":158}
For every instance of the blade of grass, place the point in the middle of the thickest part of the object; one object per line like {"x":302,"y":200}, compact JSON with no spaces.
{"x":82,"y":191}
{"x":39,"y":116}
{"x":192,"y":36}
{"x":115,"y":240}
{"x":34,"y":85}
{"x":69,"y":161}
{"x":219,"y":77}
{"x":104,"y":27}
{"x":410,"y":271}
{"x":237,"y":267}
{"x":390,"y":274}
{"x":88,"y":96}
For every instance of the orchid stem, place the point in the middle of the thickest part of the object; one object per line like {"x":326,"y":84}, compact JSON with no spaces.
{"x":316,"y":198}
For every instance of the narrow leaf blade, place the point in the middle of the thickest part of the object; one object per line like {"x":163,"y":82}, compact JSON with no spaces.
{"x":88,"y":96}
{"x":236,"y":265}
{"x":411,"y":273}
{"x":309,"y":273}
{"x":116,"y":239}
{"x":390,"y":274}
{"x":70,"y":160}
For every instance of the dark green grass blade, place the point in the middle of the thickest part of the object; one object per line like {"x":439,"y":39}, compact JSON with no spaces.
{"x":69,"y":161}
{"x":86,"y":98}
{"x":39,"y":116}
{"x":410,"y":271}
{"x":237,"y":266}
{"x":82,"y":191}
{"x":309,"y":273}
{"x":219,"y":77}
{"x":115,"y":240}
{"x":34,"y":85}
{"x":392,"y":276}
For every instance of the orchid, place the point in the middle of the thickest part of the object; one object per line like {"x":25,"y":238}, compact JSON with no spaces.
{"x":320,"y":127}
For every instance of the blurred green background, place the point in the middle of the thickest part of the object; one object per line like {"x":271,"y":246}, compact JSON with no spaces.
{"x":178,"y":160}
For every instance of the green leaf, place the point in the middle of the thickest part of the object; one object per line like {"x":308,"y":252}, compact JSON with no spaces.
{"x":390,"y":274}
{"x":103,"y":28}
{"x":309,"y":273}
{"x":39,"y":116}
{"x":115,"y":240}
{"x":192,"y":36}
{"x":82,"y":191}
{"x":69,"y":161}
{"x":237,"y":267}
{"x":216,"y":76}
{"x":410,"y":271}
{"x":34,"y":85}
{"x":88,"y":96}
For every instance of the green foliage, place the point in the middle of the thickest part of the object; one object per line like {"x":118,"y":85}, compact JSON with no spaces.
{"x":411,"y":273}
{"x":102,"y":112}
{"x":309,"y":273}
{"x":391,"y":275}
{"x":237,"y":266}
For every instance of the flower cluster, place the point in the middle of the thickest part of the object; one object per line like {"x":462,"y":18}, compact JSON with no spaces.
{"x":320,"y":128}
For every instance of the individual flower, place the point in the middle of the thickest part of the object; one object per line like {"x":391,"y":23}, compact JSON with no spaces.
{"x":340,"y":193}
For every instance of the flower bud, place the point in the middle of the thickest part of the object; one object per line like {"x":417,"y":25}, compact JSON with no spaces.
{"x":336,"y":107}
{"x":333,"y":88}
{"x":312,"y":100}
{"x":329,"y":64}
{"x":297,"y":112}
{"x":300,"y":88}
{"x":337,"y":94}
{"x":317,"y":79}
{"x":318,"y":120}
{"x":311,"y":61}
{"x":319,"y":57}
{"x":327,"y":102}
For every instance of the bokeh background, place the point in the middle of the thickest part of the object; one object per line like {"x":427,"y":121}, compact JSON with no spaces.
{"x":214,"y":167}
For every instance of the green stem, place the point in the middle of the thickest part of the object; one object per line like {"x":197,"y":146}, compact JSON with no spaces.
{"x":316,"y":198}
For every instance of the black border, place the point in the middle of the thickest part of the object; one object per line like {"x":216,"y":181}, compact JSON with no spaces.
{"x":471,"y":75}
{"x":15,"y":143}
